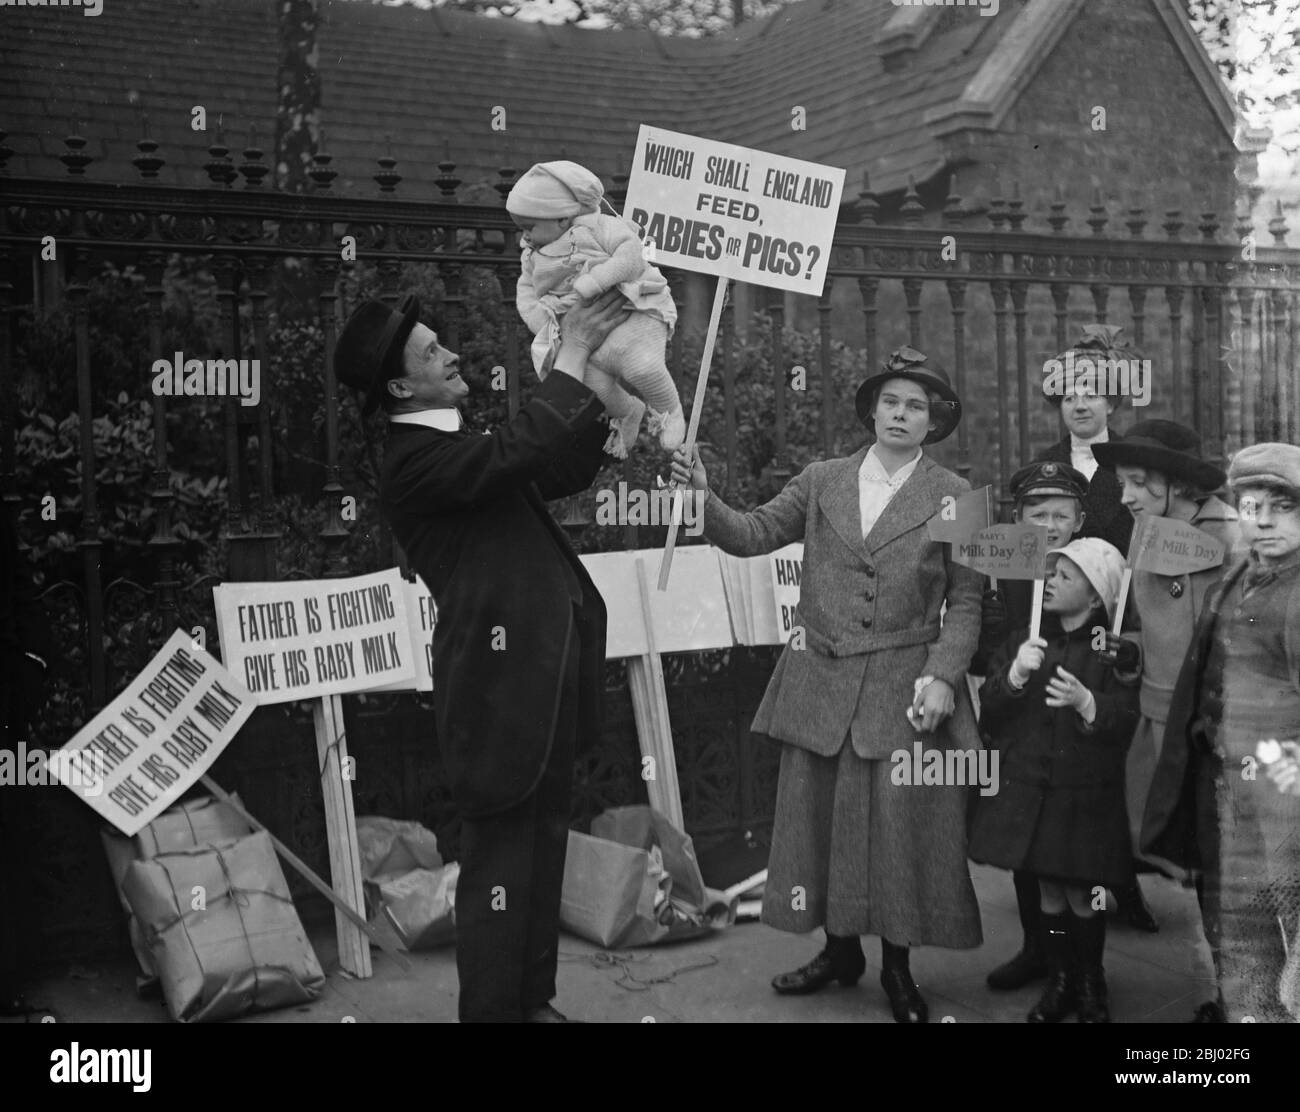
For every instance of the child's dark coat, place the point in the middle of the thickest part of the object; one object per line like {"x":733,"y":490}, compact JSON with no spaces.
{"x":1059,"y":810}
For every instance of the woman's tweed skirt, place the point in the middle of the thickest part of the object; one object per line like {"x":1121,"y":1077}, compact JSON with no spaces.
{"x":858,"y":854}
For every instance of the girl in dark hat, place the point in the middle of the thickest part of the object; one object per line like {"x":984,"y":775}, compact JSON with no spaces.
{"x":1162,"y":474}
{"x":869,"y":672}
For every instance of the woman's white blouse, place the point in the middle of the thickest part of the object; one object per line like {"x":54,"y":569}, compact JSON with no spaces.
{"x":876,"y":486}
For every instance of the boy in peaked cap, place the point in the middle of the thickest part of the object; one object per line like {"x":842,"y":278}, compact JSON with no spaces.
{"x":1236,"y":707}
{"x":1052,"y":495}
{"x":572,"y":253}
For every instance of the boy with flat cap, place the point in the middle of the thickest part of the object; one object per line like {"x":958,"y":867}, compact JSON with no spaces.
{"x":519,"y":645}
{"x":1217,"y":803}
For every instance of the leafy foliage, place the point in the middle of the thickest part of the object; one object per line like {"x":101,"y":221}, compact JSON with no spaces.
{"x":664,"y":17}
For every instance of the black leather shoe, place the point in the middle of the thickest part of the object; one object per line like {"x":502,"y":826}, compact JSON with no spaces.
{"x":1209,"y":1012}
{"x":1134,"y":909}
{"x":904,"y":997}
{"x":1093,"y":1003}
{"x":847,"y":968}
{"x":1140,"y":918}
{"x":1059,"y":999}
{"x":14,"y":1003}
{"x":547,"y":1014}
{"x":1028,"y":965}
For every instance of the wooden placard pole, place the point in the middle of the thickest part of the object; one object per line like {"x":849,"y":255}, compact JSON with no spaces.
{"x":341,"y":832}
{"x":1126,"y":581}
{"x":307,"y":873}
{"x":1138,"y":543}
{"x":701,"y":387}
{"x":650,"y":709}
{"x":1036,"y":616}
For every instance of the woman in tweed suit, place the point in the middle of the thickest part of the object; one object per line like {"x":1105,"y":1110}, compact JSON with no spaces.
{"x":870,"y":671}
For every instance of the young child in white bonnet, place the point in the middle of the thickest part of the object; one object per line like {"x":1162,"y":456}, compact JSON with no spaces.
{"x":572,"y":253}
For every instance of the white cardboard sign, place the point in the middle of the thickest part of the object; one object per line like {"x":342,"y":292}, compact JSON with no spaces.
{"x":785,"y":566}
{"x":739,"y":213}
{"x":142,"y":751}
{"x":690,"y":616}
{"x":421,"y":615}
{"x":301,"y":639}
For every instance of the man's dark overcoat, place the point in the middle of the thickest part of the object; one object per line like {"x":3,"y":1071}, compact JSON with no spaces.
{"x":512,"y":595}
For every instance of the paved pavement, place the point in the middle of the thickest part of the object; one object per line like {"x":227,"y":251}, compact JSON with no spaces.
{"x":724,"y":977}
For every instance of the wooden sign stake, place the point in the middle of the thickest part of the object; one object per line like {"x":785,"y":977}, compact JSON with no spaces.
{"x":1125,"y":581}
{"x":341,"y":831}
{"x":701,"y":386}
{"x":650,"y":708}
{"x":307,"y":873}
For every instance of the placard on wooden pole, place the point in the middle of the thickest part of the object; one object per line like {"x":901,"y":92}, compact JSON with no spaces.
{"x":697,"y":408}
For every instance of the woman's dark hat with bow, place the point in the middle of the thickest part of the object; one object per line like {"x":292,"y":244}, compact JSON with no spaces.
{"x":1165,"y":446}
{"x":369,"y":349}
{"x":1096,"y":342}
{"x":911,"y":364}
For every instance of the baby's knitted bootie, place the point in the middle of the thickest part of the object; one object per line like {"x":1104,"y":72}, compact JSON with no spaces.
{"x":670,"y":427}
{"x":623,"y":430}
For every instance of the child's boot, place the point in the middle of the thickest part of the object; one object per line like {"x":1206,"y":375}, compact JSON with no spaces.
{"x":1088,"y":939}
{"x":1031,"y":963}
{"x":670,"y":427}
{"x":1060,"y":997}
{"x":623,"y":430}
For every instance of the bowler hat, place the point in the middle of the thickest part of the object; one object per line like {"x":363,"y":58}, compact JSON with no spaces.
{"x":1165,"y":446}
{"x":369,"y":349}
{"x":911,"y":364}
{"x":1047,"y":478}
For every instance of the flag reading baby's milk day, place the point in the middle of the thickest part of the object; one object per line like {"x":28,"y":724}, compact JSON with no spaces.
{"x":1166,"y":546}
{"x":962,"y":516}
{"x":733,"y":211}
{"x":143,"y":750}
{"x":1005,"y":551}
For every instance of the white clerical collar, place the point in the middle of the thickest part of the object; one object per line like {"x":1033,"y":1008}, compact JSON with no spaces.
{"x":445,"y":420}
{"x":1079,"y":443}
{"x":873,"y":469}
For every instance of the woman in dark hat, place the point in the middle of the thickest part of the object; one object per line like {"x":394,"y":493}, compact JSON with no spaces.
{"x":1162,"y":474}
{"x":1086,"y":401}
{"x":859,"y":847}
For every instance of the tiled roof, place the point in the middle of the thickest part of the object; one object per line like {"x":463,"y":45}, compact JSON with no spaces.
{"x":431,"y":79}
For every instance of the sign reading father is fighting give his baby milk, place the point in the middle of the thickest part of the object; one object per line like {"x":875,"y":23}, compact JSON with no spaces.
{"x":156,"y":738}
{"x":733,"y":211}
{"x":300,"y":640}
